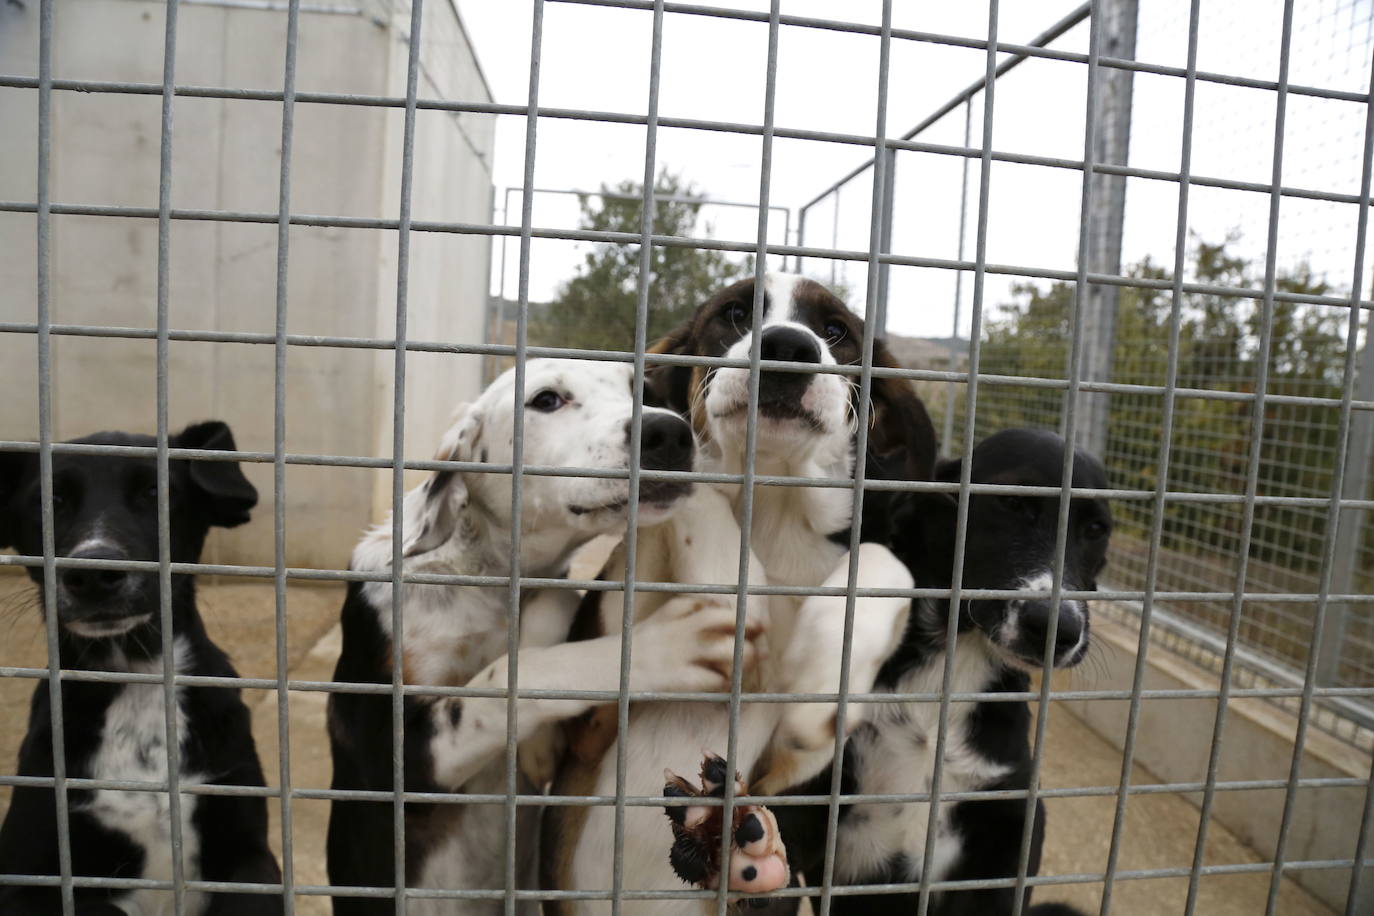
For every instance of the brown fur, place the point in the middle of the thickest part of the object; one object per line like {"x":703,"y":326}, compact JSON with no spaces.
{"x":901,"y":438}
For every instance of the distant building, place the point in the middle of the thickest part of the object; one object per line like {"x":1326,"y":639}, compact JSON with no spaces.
{"x":222,"y":275}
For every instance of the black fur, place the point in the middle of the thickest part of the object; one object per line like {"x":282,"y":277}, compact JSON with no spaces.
{"x":1007,"y":538}
{"x":361,"y":851}
{"x":118,"y":495}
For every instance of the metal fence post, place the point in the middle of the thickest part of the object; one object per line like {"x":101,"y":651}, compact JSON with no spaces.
{"x":1350,"y":535}
{"x":951,"y":401}
{"x":1112,"y":109}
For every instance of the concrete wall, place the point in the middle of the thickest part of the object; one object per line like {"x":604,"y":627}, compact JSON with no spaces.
{"x":226,"y":156}
{"x":1175,"y":739}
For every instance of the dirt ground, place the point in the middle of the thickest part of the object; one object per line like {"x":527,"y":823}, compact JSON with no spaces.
{"x":1160,"y":829}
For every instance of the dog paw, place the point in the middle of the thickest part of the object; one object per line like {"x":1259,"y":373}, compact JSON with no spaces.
{"x":810,"y":727}
{"x":539,"y":754}
{"x":689,"y":644}
{"x":758,"y":860}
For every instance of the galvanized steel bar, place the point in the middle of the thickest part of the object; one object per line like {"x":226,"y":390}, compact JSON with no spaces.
{"x":164,"y":487}
{"x":875,"y":317}
{"x":647,"y":198}
{"x":1242,"y":868}
{"x":1163,"y":462}
{"x":745,"y":509}
{"x":588,"y":235}
{"x":1352,"y":899}
{"x":1106,"y":218}
{"x":850,"y":890}
{"x":398,"y":450}
{"x":948,"y":436}
{"x":797,"y":892}
{"x":1252,"y":469}
{"x":926,"y":486}
{"x":288,"y":114}
{"x":1096,"y":37}
{"x":45,"y":453}
{"x":654,"y":801}
{"x":1343,"y":439}
{"x":956,"y":592}
{"x":833,"y":25}
{"x":518,"y":451}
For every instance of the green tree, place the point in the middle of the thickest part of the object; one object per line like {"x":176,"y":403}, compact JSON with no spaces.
{"x":1219,"y":350}
{"x":595,"y":308}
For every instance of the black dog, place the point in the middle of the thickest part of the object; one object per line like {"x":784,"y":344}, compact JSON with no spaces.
{"x":105,"y":507}
{"x":1010,"y":542}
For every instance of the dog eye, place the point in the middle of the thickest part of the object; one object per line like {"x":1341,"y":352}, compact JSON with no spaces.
{"x":1095,"y":530}
{"x":1018,"y":504}
{"x":734,"y":313}
{"x":547,"y":401}
{"x":834,"y":332}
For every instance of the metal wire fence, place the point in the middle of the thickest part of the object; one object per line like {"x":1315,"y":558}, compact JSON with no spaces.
{"x":1226,"y":522}
{"x":1223,"y":349}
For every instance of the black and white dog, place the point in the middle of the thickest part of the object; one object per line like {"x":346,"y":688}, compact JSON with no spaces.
{"x":576,"y":413}
{"x":1010,"y":544}
{"x":105,"y":507}
{"x":806,"y":427}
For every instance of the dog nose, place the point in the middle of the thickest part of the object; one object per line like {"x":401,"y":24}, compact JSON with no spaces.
{"x":87,"y":584}
{"x":1034,"y":620}
{"x":665,"y":443}
{"x":791,"y":345}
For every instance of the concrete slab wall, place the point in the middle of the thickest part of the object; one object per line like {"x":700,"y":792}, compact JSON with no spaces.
{"x":222,"y":276}
{"x":1175,"y":739}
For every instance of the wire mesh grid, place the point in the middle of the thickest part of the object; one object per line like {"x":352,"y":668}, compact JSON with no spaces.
{"x":1226,"y":522}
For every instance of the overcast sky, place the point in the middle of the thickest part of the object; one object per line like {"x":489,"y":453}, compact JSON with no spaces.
{"x":598,"y":58}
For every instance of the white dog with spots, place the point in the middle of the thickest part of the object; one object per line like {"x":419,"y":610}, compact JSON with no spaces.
{"x":576,"y":413}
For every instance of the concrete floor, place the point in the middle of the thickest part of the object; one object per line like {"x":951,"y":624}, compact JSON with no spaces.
{"x":1159,"y":832}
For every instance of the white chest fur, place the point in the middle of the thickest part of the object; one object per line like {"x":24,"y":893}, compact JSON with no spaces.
{"x":133,"y":746}
{"x":896,"y":754}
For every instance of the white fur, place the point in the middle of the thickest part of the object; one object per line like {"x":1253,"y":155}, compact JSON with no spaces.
{"x":668,"y":735}
{"x":896,"y":755}
{"x":1008,"y":631}
{"x":790,"y":545}
{"x":458,"y":635}
{"x":133,"y":746}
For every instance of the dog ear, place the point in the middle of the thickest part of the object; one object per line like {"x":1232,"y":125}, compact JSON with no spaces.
{"x":900,"y":435}
{"x":431,"y":510}
{"x":227,"y":495}
{"x":671,"y":386}
{"x":15,"y":468}
{"x":923,"y":526}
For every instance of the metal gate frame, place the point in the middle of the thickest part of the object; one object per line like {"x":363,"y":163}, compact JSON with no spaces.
{"x":876,"y":257}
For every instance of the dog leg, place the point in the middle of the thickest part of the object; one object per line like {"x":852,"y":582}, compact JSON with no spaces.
{"x":545,"y":619}
{"x":803,"y":745}
{"x":687,"y":646}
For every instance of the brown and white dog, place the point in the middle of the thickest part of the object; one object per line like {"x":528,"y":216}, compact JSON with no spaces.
{"x":806,"y":424}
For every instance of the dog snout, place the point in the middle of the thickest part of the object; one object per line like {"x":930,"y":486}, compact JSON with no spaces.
{"x":665,"y":443}
{"x":792,"y":345}
{"x":1034,"y":618}
{"x":787,"y":344}
{"x":89,"y":585}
